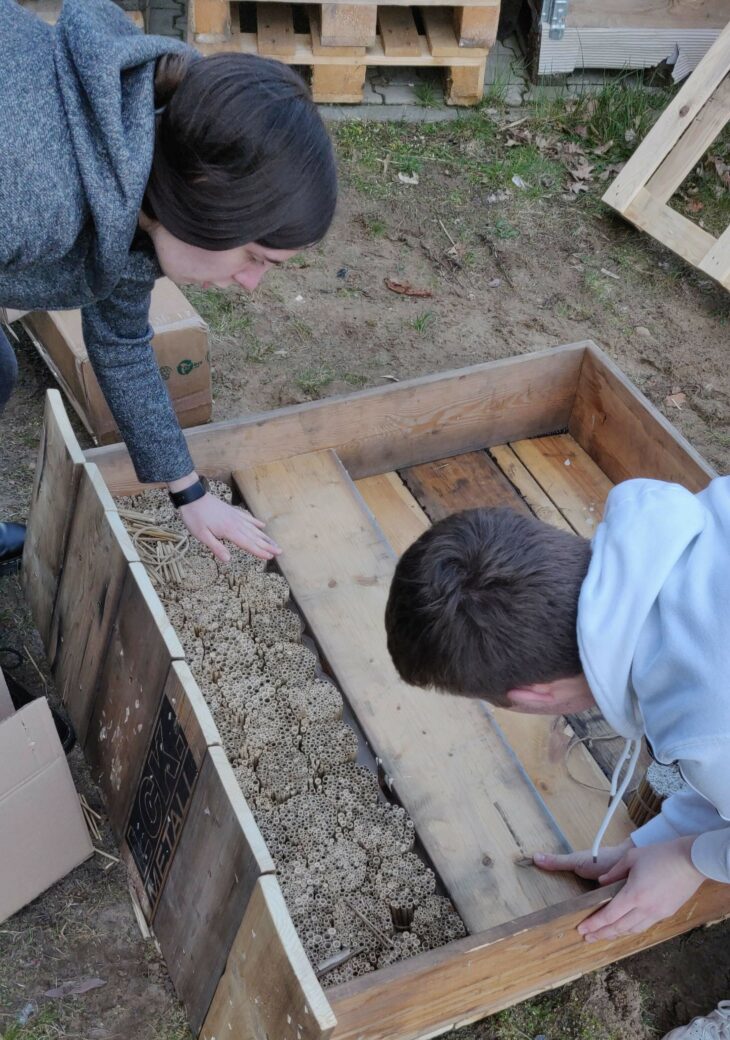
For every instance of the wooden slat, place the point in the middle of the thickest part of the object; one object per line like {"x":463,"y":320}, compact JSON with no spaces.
{"x":210,"y":20}
{"x":334,"y":85}
{"x":399,"y":515}
{"x":474,"y":810}
{"x":97,"y":556}
{"x":55,"y":485}
{"x":348,"y":25}
{"x":142,"y":646}
{"x":375,"y":431}
{"x":717,"y":262}
{"x":693,"y":144}
{"x":268,"y":991}
{"x":625,"y":434}
{"x":465,"y":86}
{"x":468,"y":979}
{"x":521,"y":478}
{"x":476,"y":26}
{"x":669,"y":227}
{"x":220,"y":856}
{"x":569,"y":477}
{"x":540,"y":742}
{"x":318,"y":48}
{"x":181,"y":735}
{"x":465,"y":481}
{"x":672,"y":123}
{"x":439,"y":25}
{"x":275,"y":29}
{"x":649,"y":14}
{"x":398,"y":32}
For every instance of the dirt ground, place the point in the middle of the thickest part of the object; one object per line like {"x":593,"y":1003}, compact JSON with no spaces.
{"x":505,"y":240}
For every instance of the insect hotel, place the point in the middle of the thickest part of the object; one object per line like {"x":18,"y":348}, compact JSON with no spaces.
{"x":321,"y":850}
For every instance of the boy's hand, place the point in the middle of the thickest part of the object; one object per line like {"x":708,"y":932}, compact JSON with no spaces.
{"x":581,"y":863}
{"x":659,"y":880}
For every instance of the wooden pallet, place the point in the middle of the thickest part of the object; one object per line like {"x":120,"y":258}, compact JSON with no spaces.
{"x":643,"y":189}
{"x":347,"y":484}
{"x":339,"y":41}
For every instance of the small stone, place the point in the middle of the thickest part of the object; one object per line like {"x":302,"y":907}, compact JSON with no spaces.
{"x":641,"y":330}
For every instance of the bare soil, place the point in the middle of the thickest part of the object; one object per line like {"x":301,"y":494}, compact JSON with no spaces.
{"x":509,"y":269}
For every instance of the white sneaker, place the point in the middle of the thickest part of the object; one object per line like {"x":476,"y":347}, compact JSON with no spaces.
{"x":715,"y":1026}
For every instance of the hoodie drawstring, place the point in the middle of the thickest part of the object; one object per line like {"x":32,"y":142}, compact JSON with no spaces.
{"x":633,"y":748}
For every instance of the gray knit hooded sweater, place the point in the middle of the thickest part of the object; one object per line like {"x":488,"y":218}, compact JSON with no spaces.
{"x":77,"y":128}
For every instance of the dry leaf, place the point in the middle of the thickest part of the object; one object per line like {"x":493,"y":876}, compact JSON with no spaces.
{"x":406,"y":289}
{"x":695,"y":206}
{"x":603,"y":149}
{"x":74,"y":987}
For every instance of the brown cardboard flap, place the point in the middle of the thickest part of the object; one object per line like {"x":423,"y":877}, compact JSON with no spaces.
{"x":44,"y":833}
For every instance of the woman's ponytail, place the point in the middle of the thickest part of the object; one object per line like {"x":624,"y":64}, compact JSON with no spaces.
{"x":169,"y":74}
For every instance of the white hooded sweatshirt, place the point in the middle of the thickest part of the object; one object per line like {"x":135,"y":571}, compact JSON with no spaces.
{"x":654,"y":640}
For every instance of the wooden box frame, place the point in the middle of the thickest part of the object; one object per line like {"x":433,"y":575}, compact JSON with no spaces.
{"x":668,"y":154}
{"x":197,"y":860}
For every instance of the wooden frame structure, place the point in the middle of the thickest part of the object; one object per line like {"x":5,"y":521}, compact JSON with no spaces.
{"x":205,"y":879}
{"x":672,"y":148}
{"x":344,"y":39}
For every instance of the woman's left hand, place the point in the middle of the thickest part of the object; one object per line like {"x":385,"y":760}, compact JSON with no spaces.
{"x":210,"y":519}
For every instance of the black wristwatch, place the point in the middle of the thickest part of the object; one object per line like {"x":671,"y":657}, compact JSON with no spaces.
{"x":190,"y":494}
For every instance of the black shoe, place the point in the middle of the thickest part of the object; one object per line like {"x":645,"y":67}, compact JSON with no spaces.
{"x":12,"y":538}
{"x":20,"y":697}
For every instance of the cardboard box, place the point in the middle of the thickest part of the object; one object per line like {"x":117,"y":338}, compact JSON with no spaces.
{"x":43,"y":828}
{"x":180,"y":344}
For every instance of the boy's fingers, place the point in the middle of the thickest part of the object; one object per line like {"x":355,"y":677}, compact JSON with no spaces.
{"x":632,"y":922}
{"x":552,"y":861}
{"x":607,"y":915}
{"x":617,"y":872}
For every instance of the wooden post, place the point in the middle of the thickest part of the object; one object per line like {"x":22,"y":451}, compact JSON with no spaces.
{"x":210,"y":20}
{"x":476,"y":26}
{"x":349,"y":25}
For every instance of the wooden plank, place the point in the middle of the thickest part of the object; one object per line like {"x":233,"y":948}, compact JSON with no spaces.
{"x":717,"y":262}
{"x":474,"y":809}
{"x":383,"y":429}
{"x":398,"y":32}
{"x":465,"y":86}
{"x":275,"y":29}
{"x":470,"y":978}
{"x":220,"y":856}
{"x":269,"y":990}
{"x":577,"y":796}
{"x":439,"y":25}
{"x":181,"y":735}
{"x":142,"y":646}
{"x":318,"y":49}
{"x":55,"y":485}
{"x":210,"y":20}
{"x":348,"y":25}
{"x":569,"y":477}
{"x":669,"y":227}
{"x":467,"y":481}
{"x":97,"y":556}
{"x":336,"y":85}
{"x":693,"y":144}
{"x":649,"y":14}
{"x":670,"y":126}
{"x":476,"y":26}
{"x":521,"y":478}
{"x":399,"y":515}
{"x":625,"y":434}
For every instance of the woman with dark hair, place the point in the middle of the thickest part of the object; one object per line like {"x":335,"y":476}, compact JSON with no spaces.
{"x":126,"y":157}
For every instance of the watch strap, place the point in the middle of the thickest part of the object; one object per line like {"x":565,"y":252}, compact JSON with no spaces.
{"x":189,"y":494}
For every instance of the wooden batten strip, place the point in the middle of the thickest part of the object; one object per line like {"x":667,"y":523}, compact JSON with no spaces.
{"x":141,"y":649}
{"x":387,"y":428}
{"x":717,"y":262}
{"x":275,"y":29}
{"x":625,"y":434}
{"x":269,"y":988}
{"x":55,"y":486}
{"x":669,"y":227}
{"x":474,"y":809}
{"x":529,"y":489}
{"x":466,"y":980}
{"x":398,"y":32}
{"x":670,"y":126}
{"x":693,"y":144}
{"x":98,"y":553}
{"x":476,"y":26}
{"x":218,"y":861}
{"x":210,"y":20}
{"x":439,"y":25}
{"x":318,"y":48}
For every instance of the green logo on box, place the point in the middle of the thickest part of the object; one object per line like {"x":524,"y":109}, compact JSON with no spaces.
{"x":187,"y":366}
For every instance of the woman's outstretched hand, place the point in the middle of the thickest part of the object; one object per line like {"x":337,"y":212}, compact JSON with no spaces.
{"x":211,"y":520}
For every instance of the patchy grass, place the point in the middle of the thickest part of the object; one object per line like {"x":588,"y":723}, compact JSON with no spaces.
{"x":312,"y":381}
{"x":423,"y":321}
{"x":427,"y":95}
{"x":223,"y":311}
